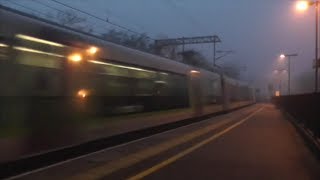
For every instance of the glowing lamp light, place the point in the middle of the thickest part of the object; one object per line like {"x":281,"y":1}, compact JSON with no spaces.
{"x":302,"y":5}
{"x":92,"y":50}
{"x":82,"y":93}
{"x":277,"y":93}
{"x":75,"y":57}
{"x":282,"y":56}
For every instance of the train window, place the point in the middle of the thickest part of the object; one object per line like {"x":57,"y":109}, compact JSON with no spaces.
{"x":177,"y":85}
{"x":41,"y":80}
{"x":35,"y":59}
{"x":144,"y":88}
{"x":163,"y":76}
{"x":122,"y":70}
{"x":117,"y":86}
{"x":111,"y":70}
{"x":4,"y":48}
{"x":159,"y":88}
{"x":40,"y":44}
{"x":38,"y":52}
{"x":144,"y":74}
{"x":216,"y":87}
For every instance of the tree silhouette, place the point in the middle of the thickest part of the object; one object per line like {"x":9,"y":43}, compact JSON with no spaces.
{"x":194,"y":58}
{"x":136,"y":41}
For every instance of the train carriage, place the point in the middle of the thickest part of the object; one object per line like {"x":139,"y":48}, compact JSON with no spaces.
{"x":62,"y":87}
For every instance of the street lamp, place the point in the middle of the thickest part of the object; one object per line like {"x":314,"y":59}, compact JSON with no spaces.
{"x":302,"y":6}
{"x":282,"y":56}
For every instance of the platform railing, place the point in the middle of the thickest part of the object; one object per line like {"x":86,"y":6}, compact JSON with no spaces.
{"x":305,"y":109}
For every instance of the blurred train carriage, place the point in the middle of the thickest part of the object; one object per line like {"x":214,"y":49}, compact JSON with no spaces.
{"x":58,"y":84}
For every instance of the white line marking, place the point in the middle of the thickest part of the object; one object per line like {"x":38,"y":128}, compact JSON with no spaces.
{"x":104,"y":150}
{"x":190,"y":150}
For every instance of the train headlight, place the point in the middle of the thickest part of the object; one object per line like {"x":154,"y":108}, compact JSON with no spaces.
{"x":82,"y":93}
{"x":75,"y":57}
{"x":92,"y":50}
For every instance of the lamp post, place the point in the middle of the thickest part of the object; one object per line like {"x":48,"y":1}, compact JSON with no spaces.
{"x":279,"y":79}
{"x":282,"y":56}
{"x":302,"y":6}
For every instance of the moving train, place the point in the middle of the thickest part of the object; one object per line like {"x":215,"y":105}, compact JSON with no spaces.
{"x":62,"y":87}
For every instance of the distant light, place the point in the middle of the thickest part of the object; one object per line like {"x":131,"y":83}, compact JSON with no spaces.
{"x":282,"y":56}
{"x":194,"y":72}
{"x":276,"y":71}
{"x":302,"y":5}
{"x":30,"y":38}
{"x":277,"y":93}
{"x":75,"y":57}
{"x":92,"y":50}
{"x":82,"y":93}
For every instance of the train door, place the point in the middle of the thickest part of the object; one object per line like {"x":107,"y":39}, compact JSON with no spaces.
{"x":225,"y":93}
{"x":195,"y":93}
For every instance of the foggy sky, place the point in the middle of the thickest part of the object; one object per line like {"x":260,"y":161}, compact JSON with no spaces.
{"x":257,"y":30}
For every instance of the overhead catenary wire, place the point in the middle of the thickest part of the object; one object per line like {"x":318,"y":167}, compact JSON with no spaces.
{"x":99,"y":18}
{"x":59,"y":10}
{"x":46,"y":5}
{"x":25,"y":7}
{"x":48,"y":15}
{"x":44,"y":14}
{"x":63,"y":12}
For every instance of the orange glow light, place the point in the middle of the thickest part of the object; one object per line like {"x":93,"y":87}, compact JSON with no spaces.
{"x":302,"y":5}
{"x":92,"y":50}
{"x":75,"y":57}
{"x":277,"y":93}
{"x":82,"y":93}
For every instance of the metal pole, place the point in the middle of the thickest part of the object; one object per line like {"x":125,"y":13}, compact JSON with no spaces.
{"x":183,"y":49}
{"x":316,"y":48}
{"x":183,"y":44}
{"x":289,"y":75}
{"x":214,"y":53}
{"x":280,"y":86}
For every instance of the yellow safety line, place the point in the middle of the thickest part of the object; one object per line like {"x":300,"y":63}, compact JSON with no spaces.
{"x":139,"y":156}
{"x":189,"y":150}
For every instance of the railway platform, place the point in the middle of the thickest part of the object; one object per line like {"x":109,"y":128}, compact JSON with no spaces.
{"x":256,"y":142}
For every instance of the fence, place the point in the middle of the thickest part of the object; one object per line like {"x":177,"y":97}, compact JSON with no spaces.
{"x":304,"y":108}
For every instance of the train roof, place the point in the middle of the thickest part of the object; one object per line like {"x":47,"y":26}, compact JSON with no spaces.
{"x":112,"y":51}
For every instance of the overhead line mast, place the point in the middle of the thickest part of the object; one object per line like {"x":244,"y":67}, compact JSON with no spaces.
{"x":161,"y":43}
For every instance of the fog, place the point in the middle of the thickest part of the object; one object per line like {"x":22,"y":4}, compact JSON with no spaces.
{"x":258,"y":31}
